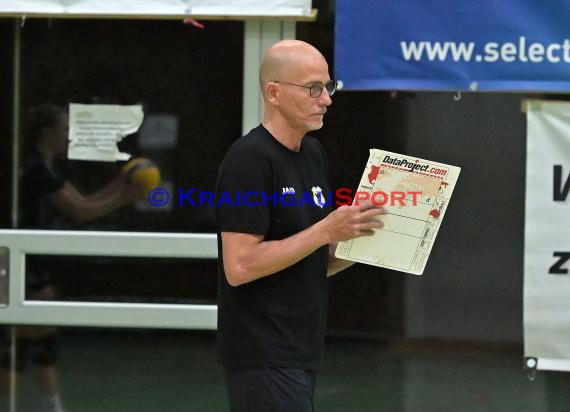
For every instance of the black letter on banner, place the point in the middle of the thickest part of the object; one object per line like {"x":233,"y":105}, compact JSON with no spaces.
{"x":560,"y":194}
{"x":557,"y":268}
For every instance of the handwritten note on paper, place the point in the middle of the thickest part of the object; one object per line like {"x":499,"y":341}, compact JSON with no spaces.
{"x":95,"y":130}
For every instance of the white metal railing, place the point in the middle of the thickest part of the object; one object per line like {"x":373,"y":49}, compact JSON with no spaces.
{"x":18,"y":310}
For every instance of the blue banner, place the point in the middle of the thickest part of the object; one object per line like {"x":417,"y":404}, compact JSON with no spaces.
{"x":506,"y":45}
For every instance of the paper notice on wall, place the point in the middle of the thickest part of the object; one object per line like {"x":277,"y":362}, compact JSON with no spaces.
{"x":415,"y":193}
{"x":95,"y":130}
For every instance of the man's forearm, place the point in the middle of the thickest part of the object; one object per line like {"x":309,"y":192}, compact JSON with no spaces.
{"x":244,"y":263}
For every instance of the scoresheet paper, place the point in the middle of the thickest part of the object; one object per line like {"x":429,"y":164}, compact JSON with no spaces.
{"x":416,"y":193}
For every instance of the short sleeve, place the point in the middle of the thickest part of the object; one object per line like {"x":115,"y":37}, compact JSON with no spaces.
{"x":244,"y":183}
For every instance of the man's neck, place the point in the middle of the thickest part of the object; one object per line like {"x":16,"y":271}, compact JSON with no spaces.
{"x":288,"y":137}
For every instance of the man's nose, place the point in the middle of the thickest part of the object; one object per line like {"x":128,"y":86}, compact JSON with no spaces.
{"x":326,"y":97}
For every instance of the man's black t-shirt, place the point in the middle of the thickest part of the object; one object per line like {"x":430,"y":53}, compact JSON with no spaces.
{"x":266,"y":189}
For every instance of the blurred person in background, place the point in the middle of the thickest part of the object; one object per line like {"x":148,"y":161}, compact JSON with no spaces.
{"x":50,"y":201}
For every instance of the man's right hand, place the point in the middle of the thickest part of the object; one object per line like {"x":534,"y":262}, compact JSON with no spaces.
{"x":349,"y":222}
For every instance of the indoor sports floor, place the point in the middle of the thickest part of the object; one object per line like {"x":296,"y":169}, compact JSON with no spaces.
{"x":150,"y":371}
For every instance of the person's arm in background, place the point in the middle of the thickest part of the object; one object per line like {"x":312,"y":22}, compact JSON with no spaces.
{"x":81,"y":209}
{"x":248,"y":257}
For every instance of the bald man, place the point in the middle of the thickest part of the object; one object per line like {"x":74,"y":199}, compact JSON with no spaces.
{"x":276,"y":234}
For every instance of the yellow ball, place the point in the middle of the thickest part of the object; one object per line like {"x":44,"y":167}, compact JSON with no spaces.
{"x":142,"y":172}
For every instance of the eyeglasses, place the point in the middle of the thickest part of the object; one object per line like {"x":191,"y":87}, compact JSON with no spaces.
{"x":316,"y":89}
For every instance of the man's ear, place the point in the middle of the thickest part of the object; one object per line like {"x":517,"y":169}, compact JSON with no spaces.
{"x":272,"y":91}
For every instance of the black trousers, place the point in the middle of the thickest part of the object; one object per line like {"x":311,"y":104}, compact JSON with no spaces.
{"x":270,"y":390}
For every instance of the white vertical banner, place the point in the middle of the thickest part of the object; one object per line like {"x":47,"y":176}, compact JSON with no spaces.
{"x":547,"y":236}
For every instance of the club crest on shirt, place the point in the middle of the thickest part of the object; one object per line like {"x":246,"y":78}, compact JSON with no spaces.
{"x":318,"y":196}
